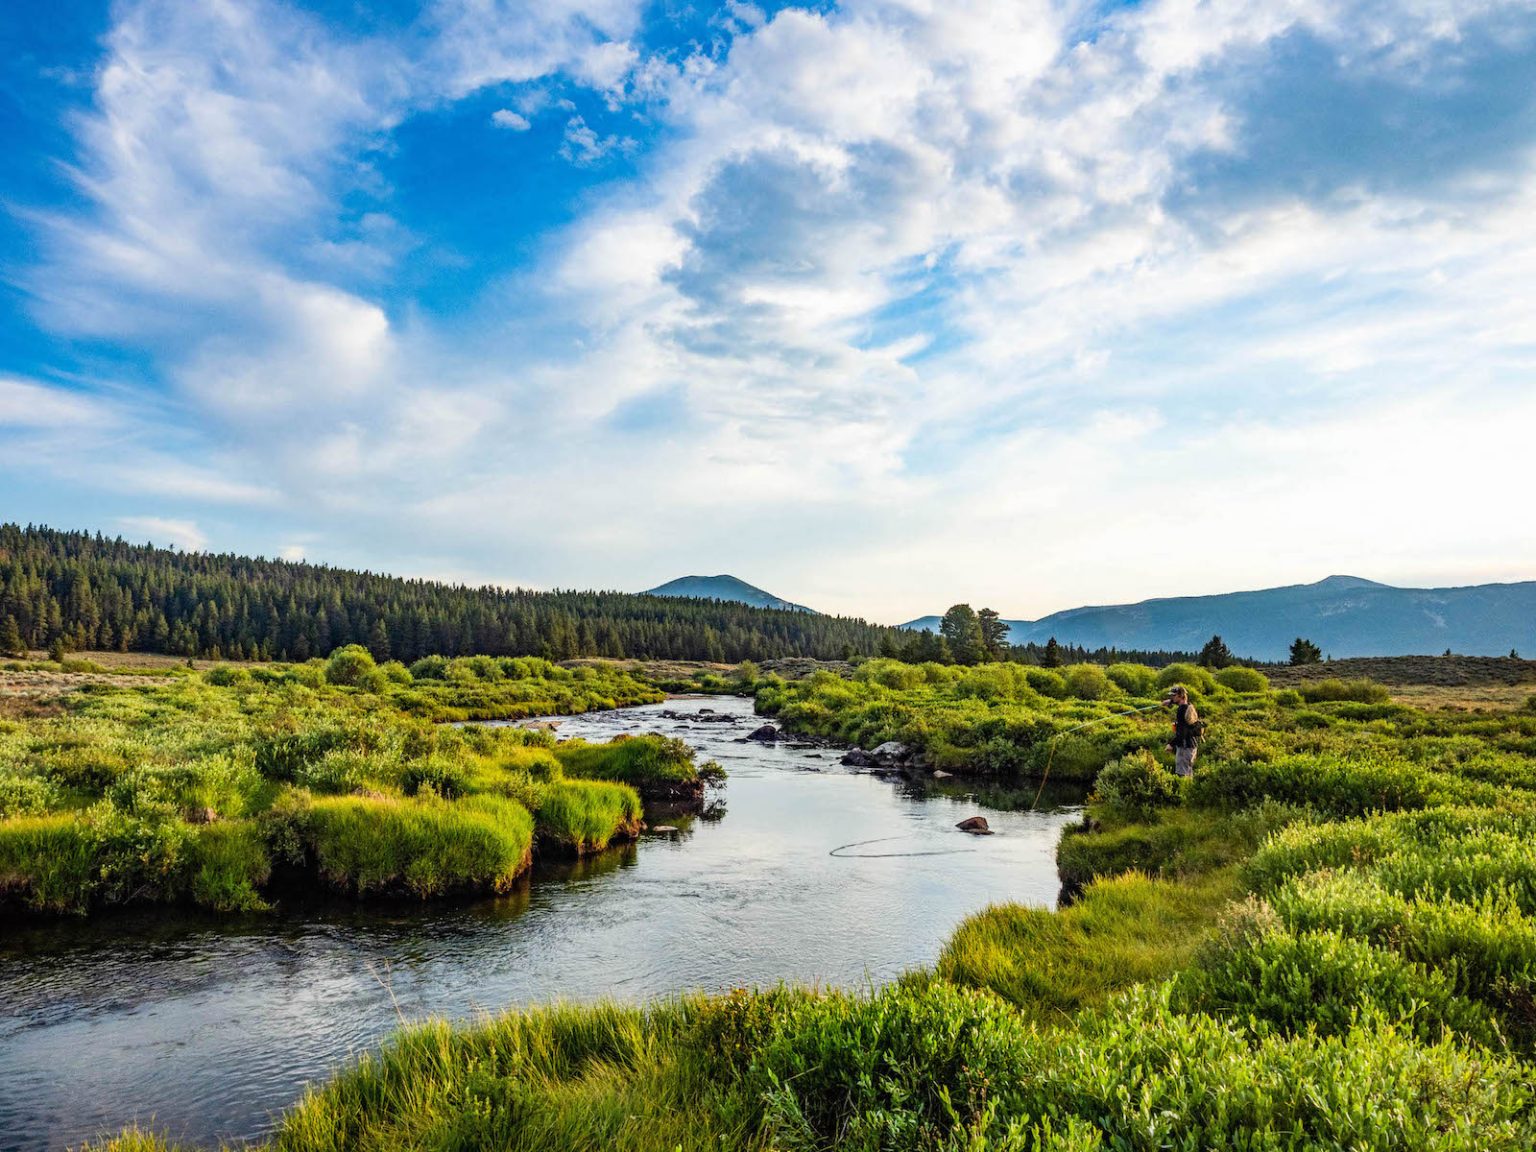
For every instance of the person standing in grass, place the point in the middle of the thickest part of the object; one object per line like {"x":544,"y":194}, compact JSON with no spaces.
{"x":1186,"y":730}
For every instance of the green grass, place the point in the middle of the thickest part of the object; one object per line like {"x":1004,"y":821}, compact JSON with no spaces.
{"x":1123,"y":930}
{"x":652,"y":765}
{"x":581,"y":816}
{"x":1326,"y":941}
{"x":186,"y":790}
{"x":919,"y":1065}
{"x":47,"y":863}
{"x":423,"y":846}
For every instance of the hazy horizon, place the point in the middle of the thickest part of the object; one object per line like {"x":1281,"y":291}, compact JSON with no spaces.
{"x":878,"y":306}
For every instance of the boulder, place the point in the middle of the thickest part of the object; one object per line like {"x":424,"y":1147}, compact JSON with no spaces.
{"x":940,"y":774}
{"x":891,"y":750}
{"x":975,"y":825}
{"x":767,"y":734}
{"x":857,"y":758}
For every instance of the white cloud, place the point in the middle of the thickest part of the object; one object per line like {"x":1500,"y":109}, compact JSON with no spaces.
{"x":914,"y":301}
{"x":24,"y":404}
{"x":183,"y":534}
{"x":514,"y":121}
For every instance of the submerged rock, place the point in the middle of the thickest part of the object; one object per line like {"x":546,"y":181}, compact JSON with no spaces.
{"x":975,"y":825}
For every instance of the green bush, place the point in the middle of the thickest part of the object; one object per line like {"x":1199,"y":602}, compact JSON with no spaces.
{"x":350,"y":667}
{"x":228,"y":867}
{"x":225,"y":675}
{"x":1137,"y":785}
{"x":1134,"y":679}
{"x":1361,"y":691}
{"x":1086,"y":681}
{"x":1255,"y":971}
{"x":395,"y":672}
{"x":1199,"y":681}
{"x":1046,"y":682}
{"x":47,"y":863}
{"x":1337,"y":785}
{"x":1240,"y":679}
{"x":22,"y":794}
{"x":430,"y":668}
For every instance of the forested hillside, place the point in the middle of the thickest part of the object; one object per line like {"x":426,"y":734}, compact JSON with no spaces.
{"x":93,"y":592}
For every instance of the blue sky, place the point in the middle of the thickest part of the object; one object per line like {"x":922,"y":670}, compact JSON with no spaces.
{"x":879,"y":305}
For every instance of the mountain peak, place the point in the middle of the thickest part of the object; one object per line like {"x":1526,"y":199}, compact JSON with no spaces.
{"x":723,"y":587}
{"x":1348,"y":582}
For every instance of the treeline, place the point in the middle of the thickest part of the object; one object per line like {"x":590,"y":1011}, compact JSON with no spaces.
{"x":83,"y":591}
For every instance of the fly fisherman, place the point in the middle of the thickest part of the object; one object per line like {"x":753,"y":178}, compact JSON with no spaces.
{"x":1186,"y":730}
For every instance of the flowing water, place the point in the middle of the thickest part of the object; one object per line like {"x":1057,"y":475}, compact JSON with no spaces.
{"x":206,"y":1028}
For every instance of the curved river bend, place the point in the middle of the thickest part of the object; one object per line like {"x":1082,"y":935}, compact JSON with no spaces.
{"x":206,"y":1028}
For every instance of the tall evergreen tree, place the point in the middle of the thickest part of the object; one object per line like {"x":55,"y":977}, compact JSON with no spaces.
{"x":961,"y":629}
{"x":1215,"y":654}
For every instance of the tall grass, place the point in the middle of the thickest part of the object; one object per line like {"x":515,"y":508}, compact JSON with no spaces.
{"x":581,"y":816}
{"x":1121,"y":931}
{"x":422,"y":846}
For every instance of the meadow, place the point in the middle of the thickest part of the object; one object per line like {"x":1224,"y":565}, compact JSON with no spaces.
{"x":1326,"y":939}
{"x":227,"y":787}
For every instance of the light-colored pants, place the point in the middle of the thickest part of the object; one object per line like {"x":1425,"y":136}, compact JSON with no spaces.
{"x":1184,"y":761}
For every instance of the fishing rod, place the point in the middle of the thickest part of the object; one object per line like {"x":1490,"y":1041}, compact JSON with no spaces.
{"x":1046,"y":775}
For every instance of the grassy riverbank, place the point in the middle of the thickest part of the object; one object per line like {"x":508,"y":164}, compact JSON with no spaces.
{"x":222,"y":788}
{"x":1327,"y":940}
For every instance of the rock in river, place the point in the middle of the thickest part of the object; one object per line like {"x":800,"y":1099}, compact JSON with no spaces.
{"x":857,"y":758}
{"x":767,"y":734}
{"x":891,"y":750}
{"x":975,"y":825}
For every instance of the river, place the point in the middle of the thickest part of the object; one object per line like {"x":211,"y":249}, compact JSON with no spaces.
{"x":206,"y":1028}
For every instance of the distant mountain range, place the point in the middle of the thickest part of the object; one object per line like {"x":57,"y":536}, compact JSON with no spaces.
{"x":723,"y":588}
{"x":1343,"y":615}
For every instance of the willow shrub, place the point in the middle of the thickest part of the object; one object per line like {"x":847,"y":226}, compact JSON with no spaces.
{"x":1339,"y":786}
{"x":1240,"y":679}
{"x":929,"y":1066}
{"x":1256,"y":972}
{"x":1136,"y":785}
{"x":1087,"y":681}
{"x":1198,"y":680}
{"x":1134,"y":679}
{"x":1334,"y":689}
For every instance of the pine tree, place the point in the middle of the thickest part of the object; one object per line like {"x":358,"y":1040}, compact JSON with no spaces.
{"x":1215,"y":654}
{"x":994,"y":633}
{"x":1305,"y":652}
{"x":1050,"y":657}
{"x":10,"y":638}
{"x":961,"y":629}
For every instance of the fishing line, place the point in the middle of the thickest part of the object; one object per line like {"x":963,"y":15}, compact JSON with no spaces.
{"x":840,"y":851}
{"x":1046,"y":775}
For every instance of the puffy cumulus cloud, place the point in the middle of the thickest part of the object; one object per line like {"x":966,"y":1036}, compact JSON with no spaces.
{"x":909,"y":301}
{"x":514,"y":121}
